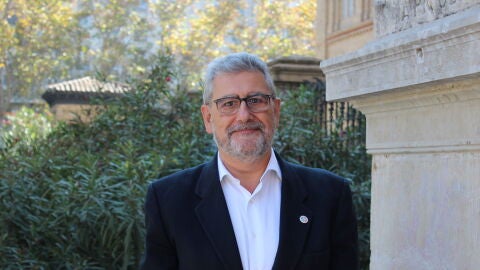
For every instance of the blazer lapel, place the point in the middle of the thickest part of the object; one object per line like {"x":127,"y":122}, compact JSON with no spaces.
{"x":295,"y":219}
{"x":212,"y":212}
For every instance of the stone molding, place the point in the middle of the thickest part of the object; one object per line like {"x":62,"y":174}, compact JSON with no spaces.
{"x":441,"y":50}
{"x":417,"y":88}
{"x":444,"y":117}
{"x":398,"y":15}
{"x":423,"y":96}
{"x":295,"y":69}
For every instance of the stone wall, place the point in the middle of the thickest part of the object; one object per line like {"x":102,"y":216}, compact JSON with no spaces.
{"x":396,"y":15}
{"x":70,"y":112}
{"x":419,"y":86}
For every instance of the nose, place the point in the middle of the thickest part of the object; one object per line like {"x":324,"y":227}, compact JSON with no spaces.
{"x":243,"y":113}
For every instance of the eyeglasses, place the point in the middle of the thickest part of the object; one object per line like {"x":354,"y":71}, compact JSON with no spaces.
{"x":255,"y":103}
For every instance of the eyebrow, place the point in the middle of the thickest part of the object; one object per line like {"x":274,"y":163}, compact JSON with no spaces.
{"x":249,"y":95}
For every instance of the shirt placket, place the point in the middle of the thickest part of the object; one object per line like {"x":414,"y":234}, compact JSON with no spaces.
{"x":254,"y":230}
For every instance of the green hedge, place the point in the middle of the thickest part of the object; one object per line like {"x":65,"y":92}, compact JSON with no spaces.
{"x":74,"y":200}
{"x":302,"y":139}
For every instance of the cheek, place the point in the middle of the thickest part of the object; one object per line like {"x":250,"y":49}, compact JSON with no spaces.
{"x":272,"y":122}
{"x":217,"y":127}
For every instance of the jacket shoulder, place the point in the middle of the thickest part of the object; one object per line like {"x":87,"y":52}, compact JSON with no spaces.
{"x":316,"y":174}
{"x":319,"y":181}
{"x":181,"y":180}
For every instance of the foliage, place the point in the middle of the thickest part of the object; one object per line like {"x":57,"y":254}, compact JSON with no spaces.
{"x":44,"y":41}
{"x":209,"y":29}
{"x":35,"y":44}
{"x":114,"y":37}
{"x":75,"y":199}
{"x":48,"y":41}
{"x":25,"y":126}
{"x":301,"y":139}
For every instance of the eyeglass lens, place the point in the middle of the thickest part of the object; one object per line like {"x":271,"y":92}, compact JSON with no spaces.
{"x":255,"y":103}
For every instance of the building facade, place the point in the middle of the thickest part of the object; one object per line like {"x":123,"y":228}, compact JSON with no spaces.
{"x":342,"y":26}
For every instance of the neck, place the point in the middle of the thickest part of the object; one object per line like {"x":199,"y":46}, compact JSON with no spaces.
{"x":248,"y":171}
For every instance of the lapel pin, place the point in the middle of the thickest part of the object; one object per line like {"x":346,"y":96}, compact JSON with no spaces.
{"x":303,"y":219}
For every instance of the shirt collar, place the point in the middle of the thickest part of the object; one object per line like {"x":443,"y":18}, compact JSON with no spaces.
{"x":272,"y":166}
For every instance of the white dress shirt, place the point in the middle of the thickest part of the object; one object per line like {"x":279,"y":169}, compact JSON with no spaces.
{"x":255,"y":216}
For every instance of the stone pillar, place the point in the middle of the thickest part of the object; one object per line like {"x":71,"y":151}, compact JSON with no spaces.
{"x":418,"y":84}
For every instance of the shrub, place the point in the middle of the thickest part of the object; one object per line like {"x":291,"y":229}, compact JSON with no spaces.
{"x":302,"y":139}
{"x":75,"y":199}
{"x":25,"y":126}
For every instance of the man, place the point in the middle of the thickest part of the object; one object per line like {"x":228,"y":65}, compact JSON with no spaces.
{"x":247,"y":208}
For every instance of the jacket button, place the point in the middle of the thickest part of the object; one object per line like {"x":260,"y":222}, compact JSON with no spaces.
{"x":303,"y":219}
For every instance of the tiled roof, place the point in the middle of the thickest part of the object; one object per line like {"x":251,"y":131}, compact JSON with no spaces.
{"x":88,"y":85}
{"x":80,"y":91}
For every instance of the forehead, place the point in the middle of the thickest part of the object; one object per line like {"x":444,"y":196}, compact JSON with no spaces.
{"x":240,"y":83}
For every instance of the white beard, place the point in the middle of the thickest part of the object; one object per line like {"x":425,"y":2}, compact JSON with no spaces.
{"x":245,"y":150}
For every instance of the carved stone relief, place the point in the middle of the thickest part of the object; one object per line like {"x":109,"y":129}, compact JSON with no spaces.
{"x":396,"y":15}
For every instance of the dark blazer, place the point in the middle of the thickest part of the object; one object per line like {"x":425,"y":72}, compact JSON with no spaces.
{"x":189,"y":227}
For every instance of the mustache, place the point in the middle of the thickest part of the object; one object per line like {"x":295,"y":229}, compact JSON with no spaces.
{"x":243,"y":126}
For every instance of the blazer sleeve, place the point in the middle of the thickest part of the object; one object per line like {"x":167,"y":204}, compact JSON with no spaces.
{"x":345,"y":235}
{"x":160,"y":253}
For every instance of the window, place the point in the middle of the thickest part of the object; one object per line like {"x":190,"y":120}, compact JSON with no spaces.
{"x":348,"y":8}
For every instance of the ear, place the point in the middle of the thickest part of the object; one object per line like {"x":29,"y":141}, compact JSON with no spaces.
{"x":276,"y":111}
{"x":207,"y":118}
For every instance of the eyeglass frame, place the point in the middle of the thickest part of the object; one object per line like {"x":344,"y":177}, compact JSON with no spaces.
{"x":268,"y":97}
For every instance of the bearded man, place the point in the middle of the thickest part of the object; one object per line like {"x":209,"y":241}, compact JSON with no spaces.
{"x":248,"y":208}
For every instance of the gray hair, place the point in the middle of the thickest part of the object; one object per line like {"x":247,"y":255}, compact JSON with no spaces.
{"x":234,"y":63}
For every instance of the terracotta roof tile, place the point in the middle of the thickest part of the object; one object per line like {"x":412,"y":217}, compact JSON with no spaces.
{"x":88,"y":85}
{"x":80,"y":91}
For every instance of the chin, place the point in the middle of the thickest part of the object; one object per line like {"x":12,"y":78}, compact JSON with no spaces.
{"x":250,"y":151}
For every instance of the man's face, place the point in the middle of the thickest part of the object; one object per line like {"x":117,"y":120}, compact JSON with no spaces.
{"x":244,"y":134}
